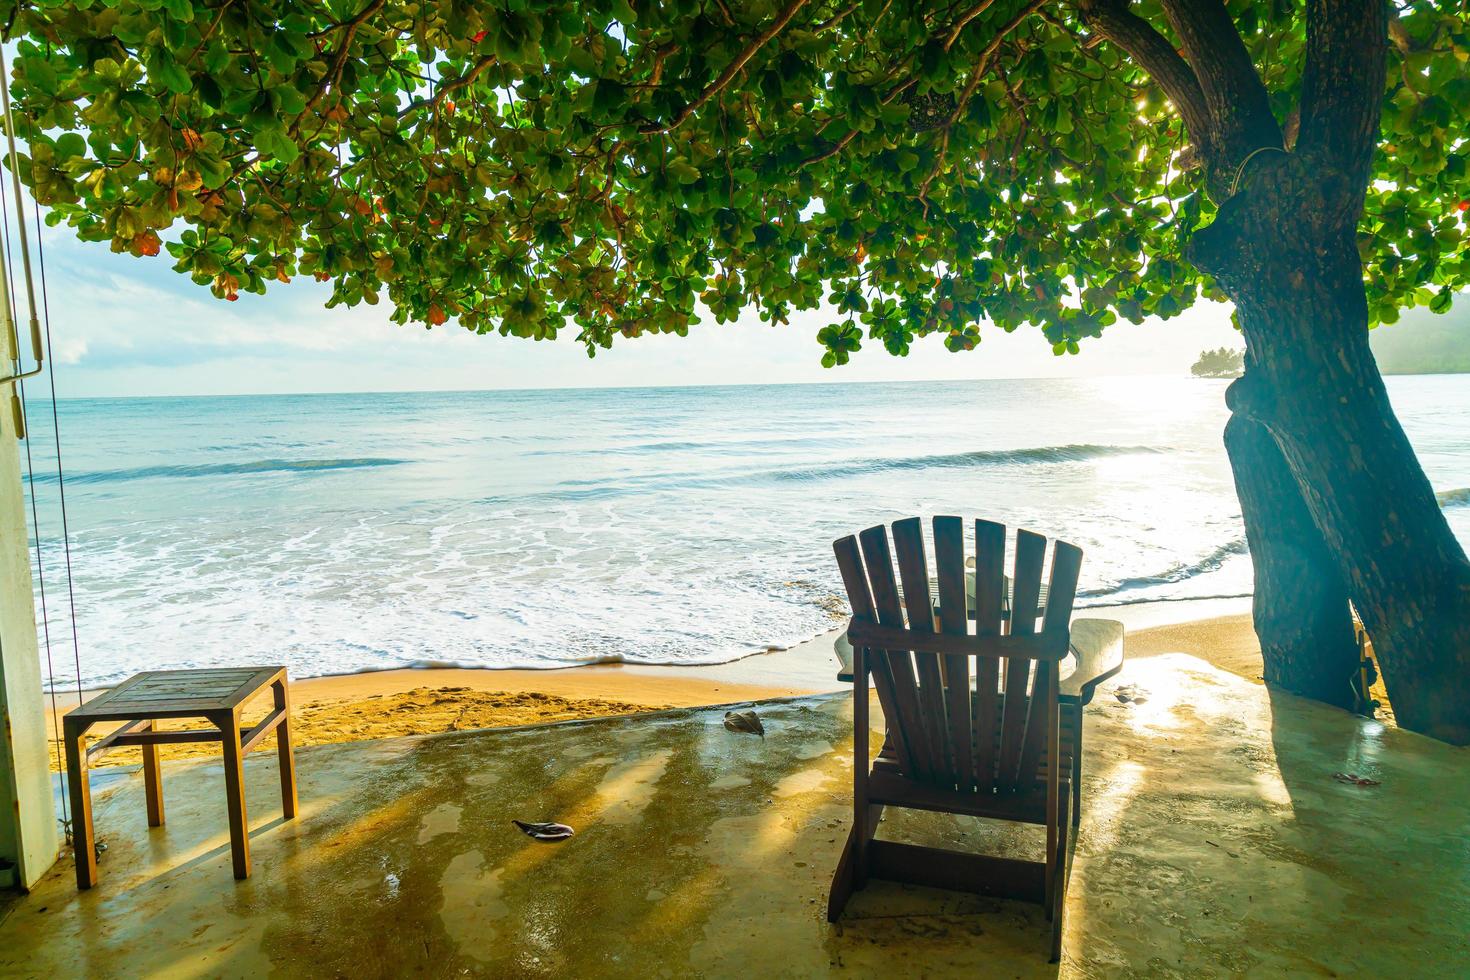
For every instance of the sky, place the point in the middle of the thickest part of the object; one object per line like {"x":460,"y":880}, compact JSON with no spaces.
{"x":126,"y":326}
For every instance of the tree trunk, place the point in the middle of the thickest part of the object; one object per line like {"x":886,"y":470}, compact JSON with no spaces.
{"x":1300,"y":603}
{"x":1288,"y":258}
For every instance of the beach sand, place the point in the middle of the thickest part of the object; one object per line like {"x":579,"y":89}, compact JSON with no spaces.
{"x":383,"y":704}
{"x":388,"y":703}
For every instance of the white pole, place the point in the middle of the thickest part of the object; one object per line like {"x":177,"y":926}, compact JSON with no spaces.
{"x":28,"y":837}
{"x":27,"y":814}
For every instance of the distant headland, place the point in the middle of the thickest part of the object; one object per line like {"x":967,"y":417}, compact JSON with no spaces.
{"x":1421,"y":342}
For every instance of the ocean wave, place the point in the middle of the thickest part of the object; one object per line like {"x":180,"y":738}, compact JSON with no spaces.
{"x":223,"y":469}
{"x":582,"y":489}
{"x":1179,"y":573}
{"x":1076,"y":453}
{"x":694,"y":446}
{"x":1454,"y":498}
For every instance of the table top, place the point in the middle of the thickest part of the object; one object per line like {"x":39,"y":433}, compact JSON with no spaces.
{"x":177,"y":693}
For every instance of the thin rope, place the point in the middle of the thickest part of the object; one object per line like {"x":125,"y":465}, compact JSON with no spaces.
{"x":71,"y":596}
{"x":45,"y":616}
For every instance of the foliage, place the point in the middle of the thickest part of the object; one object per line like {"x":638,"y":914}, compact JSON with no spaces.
{"x":537,"y":167}
{"x":1219,"y":363}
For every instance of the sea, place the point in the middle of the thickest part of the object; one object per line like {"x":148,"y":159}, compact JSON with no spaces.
{"x":555,"y":528}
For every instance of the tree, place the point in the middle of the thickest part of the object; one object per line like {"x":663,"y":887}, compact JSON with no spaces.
{"x":599,"y":166}
{"x":1219,"y":363}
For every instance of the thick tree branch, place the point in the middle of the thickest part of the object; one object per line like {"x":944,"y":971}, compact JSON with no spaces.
{"x":1239,"y":107}
{"x":986,"y":56}
{"x":1342,"y":88}
{"x":830,"y":151}
{"x":344,"y":48}
{"x":837,"y":18}
{"x":450,"y":87}
{"x":959,"y":24}
{"x":1113,"y":20}
{"x":731,"y":70}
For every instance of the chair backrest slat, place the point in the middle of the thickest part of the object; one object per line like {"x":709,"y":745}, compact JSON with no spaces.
{"x":1026,"y":588}
{"x":990,"y":598}
{"x":968,"y":728}
{"x":913,"y":569}
{"x":900,"y":665}
{"x":1041,"y":719}
{"x":1066,"y":567}
{"x":949,"y":565}
{"x":860,"y":597}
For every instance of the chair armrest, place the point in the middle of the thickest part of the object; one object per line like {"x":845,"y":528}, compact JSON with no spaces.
{"x":1096,"y":643}
{"x":1098,"y":646}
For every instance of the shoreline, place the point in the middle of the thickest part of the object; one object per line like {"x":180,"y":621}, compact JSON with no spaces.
{"x":1124,"y":610}
{"x":426,"y":700}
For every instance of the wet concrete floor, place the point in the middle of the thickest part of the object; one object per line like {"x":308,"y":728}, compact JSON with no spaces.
{"x":1215,"y":842}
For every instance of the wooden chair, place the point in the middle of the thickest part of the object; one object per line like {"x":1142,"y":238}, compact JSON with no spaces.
{"x":974,"y":721}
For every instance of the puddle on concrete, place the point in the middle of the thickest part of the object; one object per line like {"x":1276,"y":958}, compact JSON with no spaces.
{"x":730,"y":782}
{"x":813,"y":750}
{"x":472,"y":903}
{"x":628,"y":788}
{"x":443,"y":819}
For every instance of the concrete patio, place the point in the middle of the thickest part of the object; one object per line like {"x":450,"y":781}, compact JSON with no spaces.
{"x":1215,"y":842}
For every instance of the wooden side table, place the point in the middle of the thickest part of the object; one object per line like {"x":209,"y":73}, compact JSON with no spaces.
{"x":216,"y":695}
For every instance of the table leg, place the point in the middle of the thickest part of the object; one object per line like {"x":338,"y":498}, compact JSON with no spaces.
{"x":229,"y":726}
{"x":283,"y":747}
{"x":152,"y":779}
{"x":75,"y":735}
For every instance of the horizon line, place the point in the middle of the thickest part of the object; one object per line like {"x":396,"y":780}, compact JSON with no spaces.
{"x":625,"y":387}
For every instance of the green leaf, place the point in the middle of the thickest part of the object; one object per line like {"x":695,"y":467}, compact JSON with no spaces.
{"x":288,"y":101}
{"x":683,"y":171}
{"x":171,"y":74}
{"x":274,"y":142}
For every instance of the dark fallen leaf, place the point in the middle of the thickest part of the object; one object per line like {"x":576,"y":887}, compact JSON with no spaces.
{"x":744,"y":721}
{"x":547,"y":833}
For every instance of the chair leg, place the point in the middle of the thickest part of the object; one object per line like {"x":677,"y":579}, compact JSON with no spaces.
{"x":1077,"y":773}
{"x":152,"y":780}
{"x":229,"y":726}
{"x":1061,"y":872}
{"x":284,"y":750}
{"x":843,"y":881}
{"x":1056,"y":937}
{"x":851,"y":873}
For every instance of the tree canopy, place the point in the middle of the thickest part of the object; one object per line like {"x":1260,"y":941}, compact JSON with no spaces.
{"x":598,"y":166}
